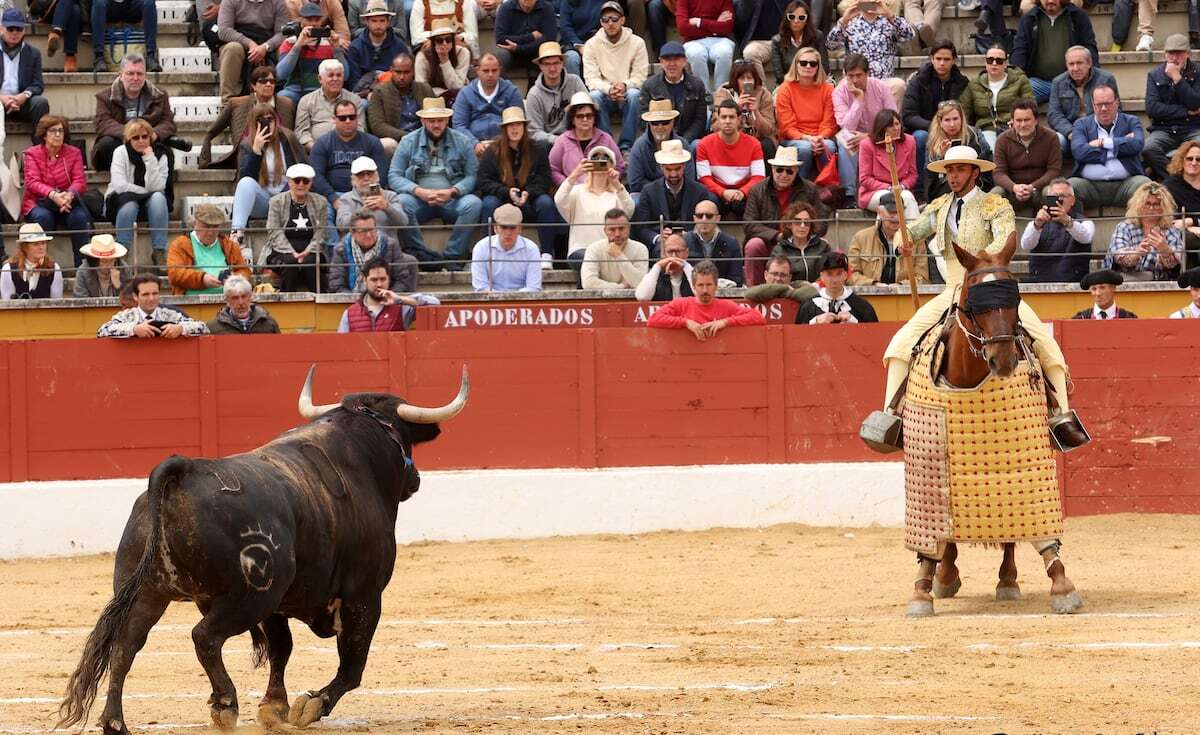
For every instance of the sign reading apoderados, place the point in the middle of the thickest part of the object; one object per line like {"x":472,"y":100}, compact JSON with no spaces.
{"x":608,"y":314}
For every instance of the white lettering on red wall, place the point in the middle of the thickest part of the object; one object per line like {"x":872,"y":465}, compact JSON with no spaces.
{"x":518,"y":316}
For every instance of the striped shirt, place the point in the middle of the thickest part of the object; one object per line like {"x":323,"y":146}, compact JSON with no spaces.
{"x":739,"y":166}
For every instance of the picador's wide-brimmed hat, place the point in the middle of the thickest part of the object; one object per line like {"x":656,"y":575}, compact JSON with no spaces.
{"x":960,"y":154}
{"x":1095,"y":278}
{"x":1189,"y":278}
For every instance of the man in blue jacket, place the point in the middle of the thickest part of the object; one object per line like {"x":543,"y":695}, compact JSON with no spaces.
{"x":21,"y":92}
{"x":1107,"y":147}
{"x":1043,"y":59}
{"x":434,"y":171}
{"x":371,"y":53}
{"x":521,"y":27}
{"x":480,"y":105}
{"x":1172,"y":103}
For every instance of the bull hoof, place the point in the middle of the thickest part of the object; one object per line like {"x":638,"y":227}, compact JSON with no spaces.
{"x":272,"y":714}
{"x":224,"y":717}
{"x":919,"y":609}
{"x":1068,"y":603}
{"x":1008,"y":594}
{"x":306,"y":710}
{"x":942,"y":591}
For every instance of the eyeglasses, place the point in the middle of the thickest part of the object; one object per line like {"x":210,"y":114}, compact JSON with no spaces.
{"x":302,"y":180}
{"x":268,"y":80}
{"x":779,"y":274}
{"x":807,"y":62}
{"x":60,"y":131}
{"x":796,"y":16}
{"x":611,"y":19}
{"x":659,"y":123}
{"x":584,"y":116}
{"x":802,"y":222}
{"x":361,"y":230}
{"x":786,"y":170}
{"x":705,"y":215}
{"x":995,"y":59}
{"x":1189,"y":159}
{"x":1104,"y":105}
{"x":140,"y":136}
{"x":346,"y":118}
{"x":443,"y":39}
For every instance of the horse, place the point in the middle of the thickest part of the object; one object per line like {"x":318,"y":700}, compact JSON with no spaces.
{"x":982,"y":338}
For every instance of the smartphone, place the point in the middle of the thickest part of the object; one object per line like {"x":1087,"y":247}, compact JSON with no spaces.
{"x":373,"y":190}
{"x":747,"y":87}
{"x":869,"y":6}
{"x":1052,"y":202}
{"x":319,"y":32}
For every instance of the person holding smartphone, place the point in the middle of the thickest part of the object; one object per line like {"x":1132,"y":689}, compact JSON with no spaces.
{"x":147,"y":319}
{"x":301,"y":55}
{"x":873,"y":30}
{"x":264,"y":153}
{"x":757,"y":106}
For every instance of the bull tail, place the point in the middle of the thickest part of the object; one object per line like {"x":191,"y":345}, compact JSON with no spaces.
{"x":102,"y":643}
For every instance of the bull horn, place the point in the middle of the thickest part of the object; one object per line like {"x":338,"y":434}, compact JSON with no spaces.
{"x":419,"y":415}
{"x":305,"y":404}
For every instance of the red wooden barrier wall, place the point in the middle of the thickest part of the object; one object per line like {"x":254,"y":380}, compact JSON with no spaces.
{"x":578,"y":398}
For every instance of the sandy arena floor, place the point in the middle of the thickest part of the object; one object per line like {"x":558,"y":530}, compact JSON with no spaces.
{"x":784,"y":630}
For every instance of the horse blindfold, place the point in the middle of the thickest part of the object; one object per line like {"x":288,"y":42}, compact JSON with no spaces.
{"x":991,"y":295}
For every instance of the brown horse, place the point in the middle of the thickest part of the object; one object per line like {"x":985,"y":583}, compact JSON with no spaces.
{"x":985,"y":341}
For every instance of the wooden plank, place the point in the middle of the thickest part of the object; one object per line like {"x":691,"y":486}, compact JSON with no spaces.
{"x":833,"y":420}
{"x":671,"y":342}
{"x":586,"y":399}
{"x":206,"y":369}
{"x":469,"y":344}
{"x":1132,"y":504}
{"x":1145,"y":481}
{"x":637,"y":452}
{"x":634,"y":422}
{"x":87,"y":465}
{"x":1151,"y":364}
{"x":512,"y":369}
{"x":1136,"y":390}
{"x":818,"y":447}
{"x":695,"y":395}
{"x":776,"y":418}
{"x":1122,"y":453}
{"x":18,"y":418}
{"x":1084,"y":335}
{"x":657,"y":368}
{"x":122,"y":432}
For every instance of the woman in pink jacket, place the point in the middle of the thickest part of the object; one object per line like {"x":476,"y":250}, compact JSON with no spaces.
{"x":54,"y":184}
{"x":874,"y":174}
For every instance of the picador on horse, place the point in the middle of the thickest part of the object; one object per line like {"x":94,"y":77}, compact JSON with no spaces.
{"x":967,"y":401}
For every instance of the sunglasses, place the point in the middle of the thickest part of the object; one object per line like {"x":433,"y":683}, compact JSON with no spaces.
{"x":796,"y":16}
{"x":659,"y":123}
{"x":807,"y":62}
{"x":266,"y":81}
{"x":1189,"y":159}
{"x":786,"y":170}
{"x":611,"y":19}
{"x":705,"y":215}
{"x":995,"y":59}
{"x":802,"y":222}
{"x":346,"y":118}
{"x":302,"y":180}
{"x":584,"y":116}
{"x":139,"y":136}
{"x":443,"y":39}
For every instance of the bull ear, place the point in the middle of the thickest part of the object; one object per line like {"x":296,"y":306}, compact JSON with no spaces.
{"x":418,"y":433}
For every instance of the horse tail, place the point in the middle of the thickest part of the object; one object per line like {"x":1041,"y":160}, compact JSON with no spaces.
{"x":102,"y":643}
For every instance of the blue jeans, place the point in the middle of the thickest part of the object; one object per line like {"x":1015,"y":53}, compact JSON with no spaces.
{"x":573,"y":63}
{"x":540,"y":211}
{"x":293,"y":92}
{"x":848,"y":172}
{"x":920,"y":137}
{"x":68,"y":18}
{"x":157,"y":214}
{"x":250,"y":199}
{"x":631,"y":118}
{"x":804,"y":153}
{"x":1041,"y":89}
{"x":718,"y":50}
{"x":463,"y":212}
{"x":78,"y":220}
{"x":130,"y":11}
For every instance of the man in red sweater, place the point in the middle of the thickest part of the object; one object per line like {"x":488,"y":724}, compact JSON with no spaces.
{"x":704,"y":314}
{"x":728,"y":163}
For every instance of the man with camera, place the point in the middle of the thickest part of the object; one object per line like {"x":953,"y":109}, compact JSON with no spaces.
{"x":307,"y":45}
{"x":1059,"y":239}
{"x":147,"y":319}
{"x":249,"y":30}
{"x":1028,"y":157}
{"x":201,"y":260}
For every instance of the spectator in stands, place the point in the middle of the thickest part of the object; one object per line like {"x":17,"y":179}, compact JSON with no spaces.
{"x":874,"y":32}
{"x":104,"y":272}
{"x":335,"y":151}
{"x":875,"y":252}
{"x":460,"y":14}
{"x":768,"y":200}
{"x":1107,"y":148}
{"x":805,"y":112}
{"x":615,"y":65}
{"x":779,"y":284}
{"x":515,"y":170}
{"x":371,"y":54}
{"x":643,"y":167}
{"x":145,"y":12}
{"x":66,"y":23}
{"x":857,"y":100}
{"x":755,"y":103}
{"x":198,"y":261}
{"x":398,"y":21}
{"x":333,"y":16}
{"x":295,"y":248}
{"x":671,"y":275}
{"x":548,"y":98}
{"x":485,"y":13}
{"x":1172,"y":103}
{"x":835,"y":302}
{"x":1040,"y":46}
{"x":443,"y":64}
{"x":796,"y":31}
{"x":925,"y":16}
{"x":874,"y":174}
{"x":1184,"y":185}
{"x":240,"y":315}
{"x":303,"y":67}
{"x":579,"y":22}
{"x":1071,"y":93}
{"x":55,"y":184}
{"x":989,"y":98}
{"x":1028,"y":158}
{"x":21,"y":74}
{"x":249,"y":30}
{"x":706,"y":27}
{"x":315,"y":111}
{"x":1147,"y":11}
{"x":938,"y":80}
{"x":671,"y":198}
{"x":1059,"y":238}
{"x":31,"y":273}
{"x":682,"y":89}
{"x":729,"y":162}
{"x":521,"y":28}
{"x":614,"y":261}
{"x":583,"y":203}
{"x":264,"y":152}
{"x":148,"y":319}
{"x":365,"y":242}
{"x":948,"y":130}
{"x":129,"y":97}
{"x":506,"y":261}
{"x":1102,"y":285}
{"x":480,"y":105}
{"x":238,"y":110}
{"x":140,"y":188}
{"x":367,"y":195}
{"x":434,"y":170}
{"x":579,"y":139}
{"x":704,"y":315}
{"x":1146,"y":245}
{"x":798,"y":242}
{"x":392,"y":109}
{"x":379,"y":309}
{"x":707,"y":242}
{"x":1189,"y":279}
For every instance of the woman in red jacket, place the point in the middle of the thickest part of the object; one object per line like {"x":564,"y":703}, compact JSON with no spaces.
{"x":874,"y":176}
{"x":54,"y":184}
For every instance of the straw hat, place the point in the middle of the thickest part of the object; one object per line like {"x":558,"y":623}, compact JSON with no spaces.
{"x":512,"y":114}
{"x":376,"y":7}
{"x":442,"y":27}
{"x":548,"y":49}
{"x":104,"y":246}
{"x":579,"y":99}
{"x":32,"y":232}
{"x":785,"y":156}
{"x":660,"y":111}
{"x":960,"y":154}
{"x":672,"y":151}
{"x":434,"y":107}
{"x":211,"y":214}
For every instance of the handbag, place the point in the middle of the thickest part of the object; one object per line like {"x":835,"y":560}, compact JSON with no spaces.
{"x":120,"y":41}
{"x":828,"y":183}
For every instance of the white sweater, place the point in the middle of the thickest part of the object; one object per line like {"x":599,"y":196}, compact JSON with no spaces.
{"x":122,"y":173}
{"x":578,"y":205}
{"x":606,"y":63}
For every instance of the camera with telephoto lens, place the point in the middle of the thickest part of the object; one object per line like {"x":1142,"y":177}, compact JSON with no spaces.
{"x":223,"y":275}
{"x":291,"y":28}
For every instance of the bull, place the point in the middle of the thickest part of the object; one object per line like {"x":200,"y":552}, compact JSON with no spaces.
{"x":303,"y":527}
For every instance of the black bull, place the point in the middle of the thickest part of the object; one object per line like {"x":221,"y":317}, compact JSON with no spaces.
{"x":303,"y":527}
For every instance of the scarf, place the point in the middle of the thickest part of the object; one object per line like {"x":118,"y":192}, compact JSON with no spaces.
{"x":355,"y":257}
{"x":139,"y":165}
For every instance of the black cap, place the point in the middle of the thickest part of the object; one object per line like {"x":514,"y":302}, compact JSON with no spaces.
{"x":834,"y":260}
{"x":1095,"y":278}
{"x":1189,"y":279}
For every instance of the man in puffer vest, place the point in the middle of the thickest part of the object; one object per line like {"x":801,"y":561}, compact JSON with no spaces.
{"x":379,"y":309}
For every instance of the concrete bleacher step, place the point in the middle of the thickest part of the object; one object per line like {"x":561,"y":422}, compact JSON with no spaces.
{"x":74,"y":95}
{"x":172,"y":11}
{"x":85,"y":130}
{"x":170,"y":36}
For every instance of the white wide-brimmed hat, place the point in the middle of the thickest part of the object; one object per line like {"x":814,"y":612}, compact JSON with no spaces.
{"x":960,"y":154}
{"x":579,"y":99}
{"x":104,"y":246}
{"x":672,"y":152}
{"x":785,"y":156}
{"x":32,"y":232}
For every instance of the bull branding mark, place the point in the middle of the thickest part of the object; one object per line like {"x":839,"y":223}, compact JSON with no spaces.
{"x":257,"y":560}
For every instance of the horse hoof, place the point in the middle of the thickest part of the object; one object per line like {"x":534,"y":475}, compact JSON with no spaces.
{"x":305,"y":710}
{"x":943,"y":591}
{"x":1068,"y":603}
{"x":272,"y":714}
{"x":919,"y":609}
{"x":224,"y":717}
{"x":1008,"y":594}
{"x":115,"y":727}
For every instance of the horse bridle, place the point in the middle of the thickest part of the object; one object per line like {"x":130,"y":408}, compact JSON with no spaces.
{"x":972,"y":337}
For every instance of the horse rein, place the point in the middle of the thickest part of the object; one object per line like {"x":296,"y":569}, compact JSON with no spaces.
{"x":972,"y":337}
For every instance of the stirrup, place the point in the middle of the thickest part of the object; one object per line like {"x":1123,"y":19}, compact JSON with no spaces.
{"x":883,"y":432}
{"x":1060,"y":431}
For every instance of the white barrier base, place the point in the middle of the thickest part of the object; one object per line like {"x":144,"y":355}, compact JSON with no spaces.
{"x":87,"y":517}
